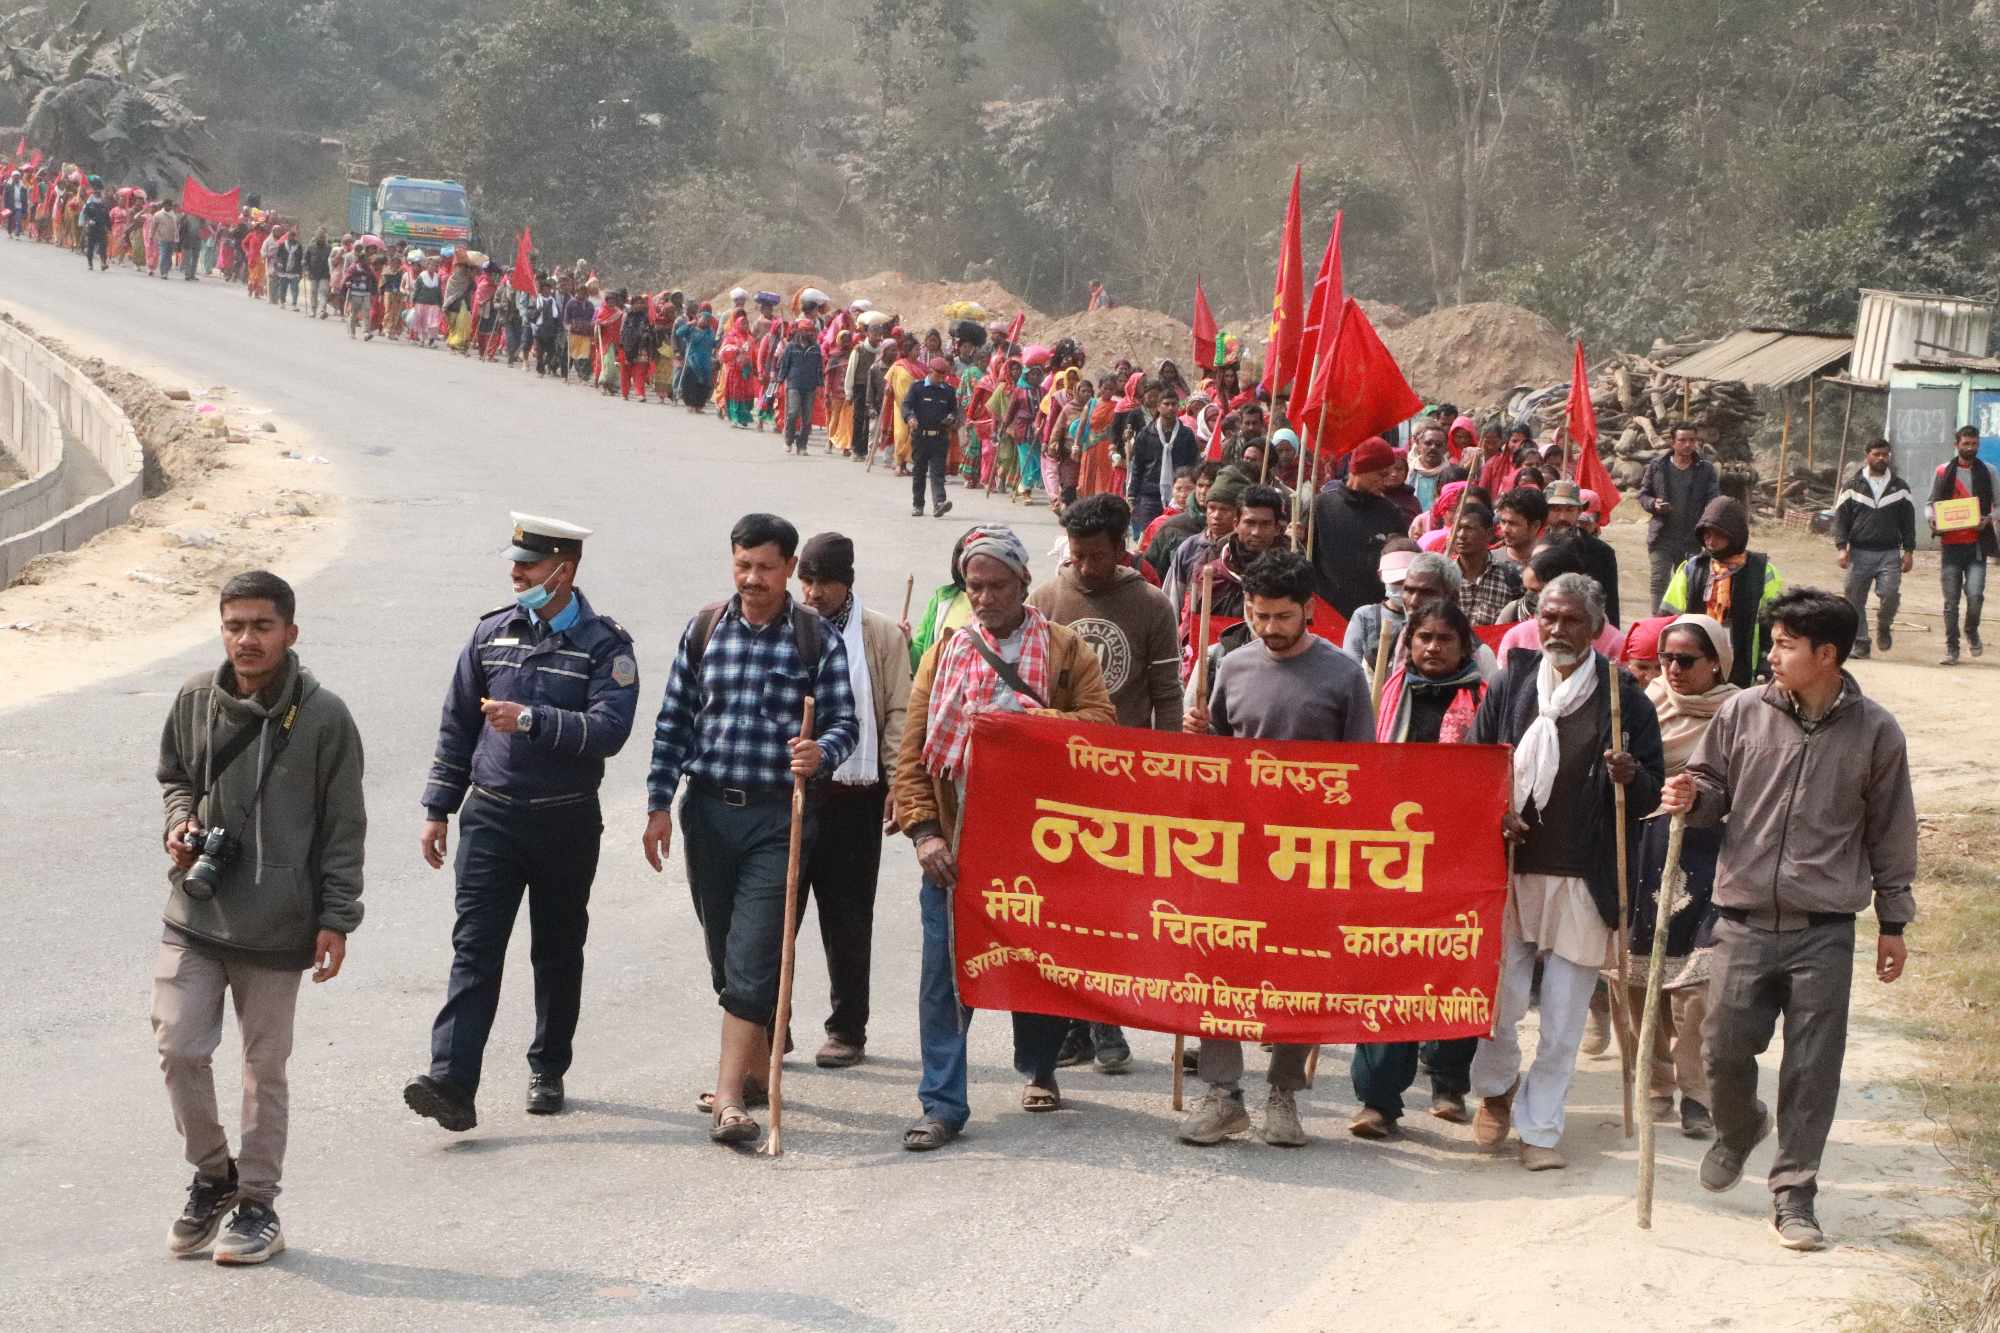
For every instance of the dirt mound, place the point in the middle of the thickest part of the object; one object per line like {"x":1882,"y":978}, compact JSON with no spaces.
{"x":921,"y":304}
{"x":1384,"y":315}
{"x":1145,"y":336}
{"x":1472,"y":355}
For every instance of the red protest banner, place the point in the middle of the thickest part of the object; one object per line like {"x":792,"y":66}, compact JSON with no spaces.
{"x":1279,"y":891}
{"x":209,"y":206}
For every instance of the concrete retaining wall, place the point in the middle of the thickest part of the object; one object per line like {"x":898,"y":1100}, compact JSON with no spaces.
{"x":85,"y":466}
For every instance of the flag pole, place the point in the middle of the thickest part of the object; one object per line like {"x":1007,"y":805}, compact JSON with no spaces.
{"x":1201,"y":701}
{"x":1616,"y":992}
{"x":1649,"y":1014}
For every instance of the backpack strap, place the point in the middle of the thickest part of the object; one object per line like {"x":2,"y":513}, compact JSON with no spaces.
{"x":699,"y":632}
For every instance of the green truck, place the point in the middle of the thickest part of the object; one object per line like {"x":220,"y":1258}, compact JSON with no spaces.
{"x":414,"y":210}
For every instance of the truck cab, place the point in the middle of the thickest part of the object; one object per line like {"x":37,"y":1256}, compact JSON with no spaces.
{"x":418,"y":211}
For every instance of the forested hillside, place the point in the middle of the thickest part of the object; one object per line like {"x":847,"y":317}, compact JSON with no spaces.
{"x":1623,"y":167}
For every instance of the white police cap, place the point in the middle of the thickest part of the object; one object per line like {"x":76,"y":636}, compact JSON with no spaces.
{"x":538,"y":538}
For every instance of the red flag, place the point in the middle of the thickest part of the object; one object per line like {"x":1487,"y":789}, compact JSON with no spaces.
{"x":209,"y":206}
{"x":1590,"y":472}
{"x":21,"y":148}
{"x":524,"y":266}
{"x":1322,"y":317}
{"x":1204,"y":329}
{"x":36,"y":160}
{"x":1014,"y":329}
{"x":1359,"y":385}
{"x":1281,"y":355}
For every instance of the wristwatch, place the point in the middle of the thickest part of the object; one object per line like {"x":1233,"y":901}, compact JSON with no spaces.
{"x":526,"y":721}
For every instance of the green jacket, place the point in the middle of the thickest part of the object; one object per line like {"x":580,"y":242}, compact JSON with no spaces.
{"x":299,"y":871}
{"x":925,"y":632}
{"x":1689,"y":592}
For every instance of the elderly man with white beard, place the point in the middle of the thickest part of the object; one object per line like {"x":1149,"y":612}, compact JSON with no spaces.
{"x":1554,"y":708}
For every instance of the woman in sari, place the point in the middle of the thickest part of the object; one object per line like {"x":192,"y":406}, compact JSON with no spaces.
{"x":840,"y":409}
{"x":1091,"y":444}
{"x":1027,"y":449}
{"x":1001,"y":458}
{"x":253,"y":254}
{"x":739,"y":375}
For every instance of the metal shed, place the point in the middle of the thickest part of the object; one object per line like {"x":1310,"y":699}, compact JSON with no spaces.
{"x":1900,"y":328}
{"x":1765,"y":358}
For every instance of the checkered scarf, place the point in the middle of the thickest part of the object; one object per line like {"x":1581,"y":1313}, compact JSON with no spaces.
{"x":966,"y":685}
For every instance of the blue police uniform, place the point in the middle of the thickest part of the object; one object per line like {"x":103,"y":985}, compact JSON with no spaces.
{"x":531,"y":820}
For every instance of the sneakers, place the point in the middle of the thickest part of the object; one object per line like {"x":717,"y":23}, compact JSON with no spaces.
{"x":1114,"y":1053}
{"x":1217,"y":1116}
{"x":1076,"y":1047}
{"x":1661,"y":1107}
{"x":1696,"y":1122}
{"x":941,"y":510}
{"x":1796,"y":1226}
{"x":1597,"y":1034}
{"x":1860,"y":652}
{"x":1281,"y":1120}
{"x":1972,"y":642}
{"x":207,"y":1202}
{"x":1369,"y":1123}
{"x":1950,"y":657}
{"x":1886,"y":638}
{"x":442,"y":1101}
{"x":1722,"y":1165}
{"x":545,"y":1094}
{"x":1542,"y":1159}
{"x":916,"y":511}
{"x":1495,"y":1118}
{"x":253,"y":1236}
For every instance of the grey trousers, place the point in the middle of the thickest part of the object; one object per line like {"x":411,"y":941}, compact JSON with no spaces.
{"x":1662,"y":561}
{"x":1805,"y":975}
{"x":1882,"y":571}
{"x":1219,"y":1063}
{"x":187,"y":1027}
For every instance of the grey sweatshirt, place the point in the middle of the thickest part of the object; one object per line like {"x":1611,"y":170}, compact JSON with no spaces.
{"x":300,"y":867}
{"x":1318,"y":695}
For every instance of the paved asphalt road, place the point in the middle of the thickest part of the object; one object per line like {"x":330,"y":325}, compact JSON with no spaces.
{"x":620,"y":1213}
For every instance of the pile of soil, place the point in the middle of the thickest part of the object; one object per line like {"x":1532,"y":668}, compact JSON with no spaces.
{"x":921,"y":304}
{"x":1472,"y":355}
{"x":784,"y":284}
{"x":1384,"y":315}
{"x":1146,"y":337}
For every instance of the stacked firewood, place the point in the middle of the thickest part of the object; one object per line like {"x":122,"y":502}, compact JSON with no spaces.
{"x":1637,"y":403}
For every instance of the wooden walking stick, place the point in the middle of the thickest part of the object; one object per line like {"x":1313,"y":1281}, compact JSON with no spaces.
{"x":909,"y":589}
{"x":1649,"y":1015}
{"x":1616,"y":991}
{"x":774,"y":1145}
{"x":1201,"y":700}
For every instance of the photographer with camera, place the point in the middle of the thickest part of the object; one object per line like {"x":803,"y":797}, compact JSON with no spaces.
{"x":260,"y":771}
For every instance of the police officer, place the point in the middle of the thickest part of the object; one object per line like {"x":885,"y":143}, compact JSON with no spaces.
{"x":543,"y":694}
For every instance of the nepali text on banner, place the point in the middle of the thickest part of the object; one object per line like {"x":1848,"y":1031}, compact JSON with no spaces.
{"x":1272,"y":891}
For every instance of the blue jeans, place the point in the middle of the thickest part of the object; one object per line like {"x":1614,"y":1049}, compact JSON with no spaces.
{"x":942,"y":1023}
{"x":1962,"y":573}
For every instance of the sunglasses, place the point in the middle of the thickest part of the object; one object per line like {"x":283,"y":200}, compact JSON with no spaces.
{"x":1685,"y":661}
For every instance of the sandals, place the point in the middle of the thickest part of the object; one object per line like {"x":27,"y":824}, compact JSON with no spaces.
{"x":928,"y":1135}
{"x":1034,"y":1097}
{"x":732,"y":1125}
{"x":753,"y":1096}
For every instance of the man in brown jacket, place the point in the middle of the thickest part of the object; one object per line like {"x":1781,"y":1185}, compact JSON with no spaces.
{"x":1009,"y":659}
{"x":852,"y":809}
{"x":1814,"y":778}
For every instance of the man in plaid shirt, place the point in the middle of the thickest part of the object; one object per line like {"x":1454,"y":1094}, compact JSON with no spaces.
{"x":1489,"y":584}
{"x":729,"y":724}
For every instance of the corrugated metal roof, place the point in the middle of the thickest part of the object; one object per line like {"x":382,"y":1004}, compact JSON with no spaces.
{"x":1765,"y":358}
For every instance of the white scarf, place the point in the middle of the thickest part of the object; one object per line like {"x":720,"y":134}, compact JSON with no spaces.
{"x":863,"y":767}
{"x":1538,"y":753}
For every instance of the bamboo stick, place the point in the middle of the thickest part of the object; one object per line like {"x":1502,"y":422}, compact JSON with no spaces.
{"x":773,"y":1145}
{"x":1626,"y":1056}
{"x":1201,"y":701}
{"x":1649,"y":1015}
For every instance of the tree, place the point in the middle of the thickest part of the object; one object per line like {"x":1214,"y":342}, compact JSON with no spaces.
{"x":91,"y":98}
{"x":570,"y":111}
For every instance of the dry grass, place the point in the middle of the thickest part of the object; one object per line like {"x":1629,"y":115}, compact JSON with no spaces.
{"x":1954,"y":1010}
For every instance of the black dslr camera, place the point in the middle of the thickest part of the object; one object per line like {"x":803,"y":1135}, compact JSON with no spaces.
{"x":215,"y":850}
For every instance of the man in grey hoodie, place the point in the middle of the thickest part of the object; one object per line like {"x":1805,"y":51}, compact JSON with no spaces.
{"x":260,"y":772}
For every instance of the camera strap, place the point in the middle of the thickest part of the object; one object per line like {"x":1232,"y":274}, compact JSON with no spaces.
{"x":240,"y":741}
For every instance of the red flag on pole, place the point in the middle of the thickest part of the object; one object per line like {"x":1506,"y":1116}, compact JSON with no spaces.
{"x":1281,"y":356}
{"x":1204,"y":329}
{"x":1014,"y":329}
{"x":209,"y":206}
{"x":1591,"y":473}
{"x":21,"y":148}
{"x":1322,"y":315}
{"x":1359,"y":384}
{"x":524,"y":265}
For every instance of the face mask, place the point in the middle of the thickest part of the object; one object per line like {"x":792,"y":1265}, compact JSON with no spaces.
{"x":539,"y":596}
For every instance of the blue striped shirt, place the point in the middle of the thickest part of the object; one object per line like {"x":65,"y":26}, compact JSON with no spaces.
{"x":732,"y":727}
